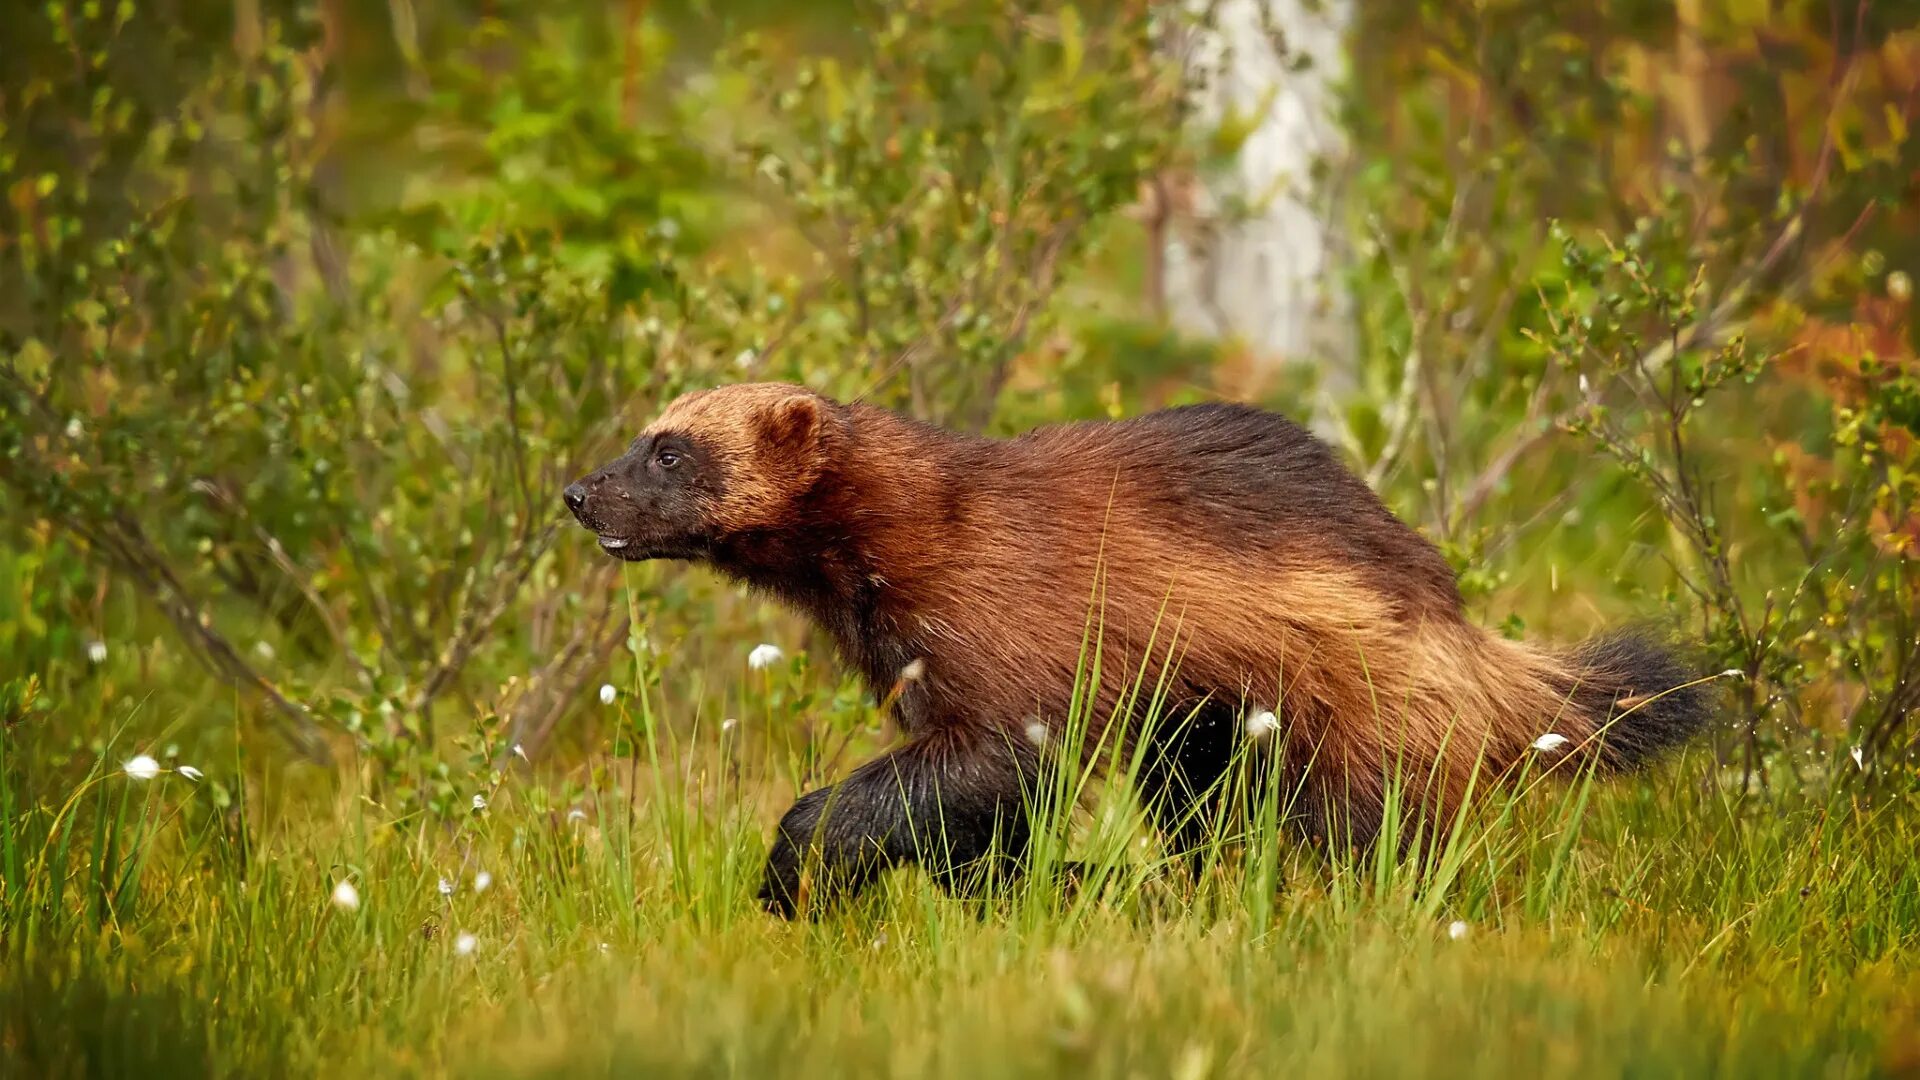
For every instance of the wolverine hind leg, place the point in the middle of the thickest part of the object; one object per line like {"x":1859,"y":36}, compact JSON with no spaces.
{"x":1204,"y":777}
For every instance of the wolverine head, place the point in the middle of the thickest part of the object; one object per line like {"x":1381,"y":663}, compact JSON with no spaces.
{"x":716,"y":465}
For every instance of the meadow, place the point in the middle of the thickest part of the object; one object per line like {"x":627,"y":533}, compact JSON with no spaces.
{"x":329,"y":746}
{"x":1657,"y":927}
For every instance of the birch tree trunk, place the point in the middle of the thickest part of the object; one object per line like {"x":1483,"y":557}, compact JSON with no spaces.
{"x":1255,"y":255}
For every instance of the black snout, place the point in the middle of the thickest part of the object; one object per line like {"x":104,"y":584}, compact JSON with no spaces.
{"x":575,"y":496}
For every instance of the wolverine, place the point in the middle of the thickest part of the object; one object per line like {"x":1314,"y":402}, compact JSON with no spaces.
{"x":1217,"y":560}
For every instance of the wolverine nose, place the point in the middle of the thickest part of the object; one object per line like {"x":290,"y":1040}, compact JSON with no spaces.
{"x":575,"y":496}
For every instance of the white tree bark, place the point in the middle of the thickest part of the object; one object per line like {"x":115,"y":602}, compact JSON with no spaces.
{"x":1255,"y":257}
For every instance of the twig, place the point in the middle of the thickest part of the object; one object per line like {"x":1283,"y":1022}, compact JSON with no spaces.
{"x":277,"y":553}
{"x":1489,"y":479}
{"x":1042,"y":292}
{"x":476,"y":620}
{"x":1402,"y":413}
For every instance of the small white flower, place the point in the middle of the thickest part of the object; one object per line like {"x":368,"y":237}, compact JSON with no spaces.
{"x":481,"y":881}
{"x":1458,"y":930}
{"x":346,"y":897}
{"x":1037,"y":733}
{"x":745,"y":359}
{"x":142,"y":767}
{"x":1551,"y":742}
{"x":446,"y":887}
{"x":764,"y":656}
{"x":605,"y":948}
{"x":479,"y":801}
{"x":1859,"y":756}
{"x":75,"y":428}
{"x":465,"y":944}
{"x":1585,"y":388}
{"x":608,"y":693}
{"x":576,"y":814}
{"x":915,"y":669}
{"x":1262,"y":724}
{"x":97,"y":652}
{"x":190,"y":773}
{"x":521,"y":753}
{"x":727,"y":725}
{"x":264,"y":648}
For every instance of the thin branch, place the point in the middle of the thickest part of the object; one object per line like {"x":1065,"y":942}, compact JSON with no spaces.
{"x":1404,"y":410}
{"x":476,"y":620}
{"x":120,"y":540}
{"x":277,"y":553}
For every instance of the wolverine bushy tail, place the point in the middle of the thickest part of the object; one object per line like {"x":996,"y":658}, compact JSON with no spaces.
{"x":1638,"y":696}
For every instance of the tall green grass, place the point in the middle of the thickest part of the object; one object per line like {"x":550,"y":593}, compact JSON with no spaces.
{"x":1657,"y":926}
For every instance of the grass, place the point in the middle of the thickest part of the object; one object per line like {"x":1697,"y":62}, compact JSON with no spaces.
{"x":1657,"y":926}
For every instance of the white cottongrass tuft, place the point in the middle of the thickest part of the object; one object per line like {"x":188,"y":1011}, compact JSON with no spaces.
{"x":576,"y":814}
{"x":608,"y":693}
{"x":727,"y":725}
{"x":764,"y":656}
{"x":75,"y":428}
{"x":1551,"y":742}
{"x":481,"y":881}
{"x":1457,"y":930}
{"x":1899,"y":286}
{"x":142,"y":767}
{"x":465,"y":944}
{"x":346,"y":897}
{"x":97,"y":652}
{"x":1859,"y":756}
{"x":745,"y":359}
{"x":915,"y":669}
{"x":1037,"y":733}
{"x":521,"y":753}
{"x":1733,"y":673}
{"x":264,"y":648}
{"x":190,"y":773}
{"x":1262,"y":724}
{"x":446,"y":887}
{"x":479,"y":801}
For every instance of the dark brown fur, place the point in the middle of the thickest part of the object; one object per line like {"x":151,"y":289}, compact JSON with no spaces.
{"x":1218,"y":551}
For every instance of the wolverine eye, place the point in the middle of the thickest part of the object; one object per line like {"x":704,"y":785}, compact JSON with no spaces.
{"x":666,"y":459}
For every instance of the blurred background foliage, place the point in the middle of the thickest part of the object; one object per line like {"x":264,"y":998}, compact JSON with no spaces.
{"x":308,"y":311}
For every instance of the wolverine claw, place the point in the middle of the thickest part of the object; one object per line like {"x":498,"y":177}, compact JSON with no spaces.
{"x":781,"y":893}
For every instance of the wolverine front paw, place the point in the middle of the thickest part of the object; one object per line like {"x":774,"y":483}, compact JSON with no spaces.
{"x":783,"y":887}
{"x":826,"y":849}
{"x":794,"y":858}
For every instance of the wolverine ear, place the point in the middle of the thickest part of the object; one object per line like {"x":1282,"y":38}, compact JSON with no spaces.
{"x":793,"y":423}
